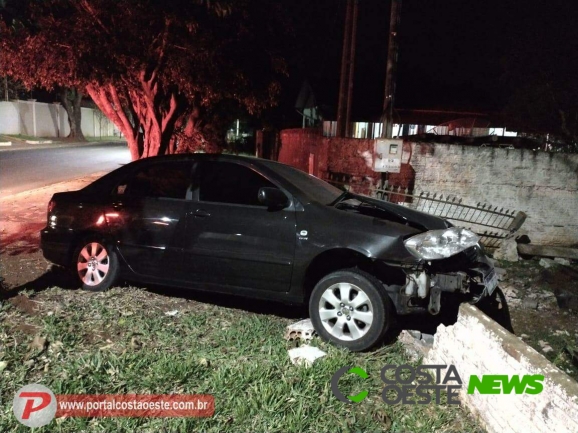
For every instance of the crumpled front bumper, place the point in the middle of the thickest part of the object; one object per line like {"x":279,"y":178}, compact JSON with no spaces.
{"x":470,"y":274}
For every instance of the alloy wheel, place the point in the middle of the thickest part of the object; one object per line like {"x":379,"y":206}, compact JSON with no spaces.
{"x":93,"y":264}
{"x":346,"y":311}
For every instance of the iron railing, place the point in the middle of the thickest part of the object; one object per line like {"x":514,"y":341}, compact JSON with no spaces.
{"x":491,"y":223}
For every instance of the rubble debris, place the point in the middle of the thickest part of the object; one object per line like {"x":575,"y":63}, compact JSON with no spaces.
{"x":417,"y":345}
{"x":545,"y":346}
{"x":305,"y":355}
{"x":508,"y":251}
{"x":561,"y":332}
{"x":302,"y":330}
{"x":547,"y":263}
{"x":530,"y":303}
{"x":562,"y":261}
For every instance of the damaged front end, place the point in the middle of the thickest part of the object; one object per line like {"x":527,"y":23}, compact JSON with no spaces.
{"x":450,"y":260}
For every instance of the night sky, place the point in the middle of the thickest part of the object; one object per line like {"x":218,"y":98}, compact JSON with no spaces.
{"x":453,"y":54}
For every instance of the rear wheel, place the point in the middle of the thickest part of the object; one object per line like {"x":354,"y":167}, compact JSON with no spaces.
{"x":96,"y":265}
{"x":351,"y":309}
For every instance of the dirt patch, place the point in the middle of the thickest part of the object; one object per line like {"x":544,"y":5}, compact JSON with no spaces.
{"x":24,"y":304}
{"x":27,"y":239}
{"x":540,"y":313}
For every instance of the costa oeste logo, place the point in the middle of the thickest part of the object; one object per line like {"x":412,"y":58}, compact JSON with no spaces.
{"x":34,"y":405}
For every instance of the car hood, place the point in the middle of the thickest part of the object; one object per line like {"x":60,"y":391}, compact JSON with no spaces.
{"x":401,"y":214}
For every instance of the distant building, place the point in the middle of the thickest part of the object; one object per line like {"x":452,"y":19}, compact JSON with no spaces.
{"x":316,"y":112}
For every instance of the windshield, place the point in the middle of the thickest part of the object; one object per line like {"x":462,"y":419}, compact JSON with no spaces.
{"x":313,"y":187}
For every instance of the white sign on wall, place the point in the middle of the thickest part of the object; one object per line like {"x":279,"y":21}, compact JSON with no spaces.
{"x":387,"y":155}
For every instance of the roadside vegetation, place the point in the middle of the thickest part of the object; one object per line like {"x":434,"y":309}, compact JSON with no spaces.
{"x":131,"y":340}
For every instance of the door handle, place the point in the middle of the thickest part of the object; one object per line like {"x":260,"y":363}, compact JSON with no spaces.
{"x":200,"y":213}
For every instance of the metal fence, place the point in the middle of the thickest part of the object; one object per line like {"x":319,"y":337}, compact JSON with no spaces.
{"x":491,"y":223}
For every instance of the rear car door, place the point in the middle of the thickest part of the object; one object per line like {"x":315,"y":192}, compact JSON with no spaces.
{"x":232,"y":239}
{"x":147,"y":217}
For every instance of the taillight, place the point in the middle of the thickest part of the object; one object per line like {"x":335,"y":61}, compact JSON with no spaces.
{"x":51,"y":218}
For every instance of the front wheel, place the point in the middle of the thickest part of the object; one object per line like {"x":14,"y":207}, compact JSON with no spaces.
{"x":96,"y":266}
{"x":351,"y":309}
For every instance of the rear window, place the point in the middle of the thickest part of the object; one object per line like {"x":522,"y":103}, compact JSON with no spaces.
{"x":163,"y":180}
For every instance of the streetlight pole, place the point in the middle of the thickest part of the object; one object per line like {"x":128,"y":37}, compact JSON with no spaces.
{"x":391,"y":69}
{"x":343,"y":83}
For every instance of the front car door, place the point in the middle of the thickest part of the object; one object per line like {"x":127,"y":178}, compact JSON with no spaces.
{"x":147,"y":217}
{"x":232,"y":239}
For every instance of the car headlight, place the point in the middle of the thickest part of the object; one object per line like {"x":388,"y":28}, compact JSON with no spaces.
{"x":441,"y":244}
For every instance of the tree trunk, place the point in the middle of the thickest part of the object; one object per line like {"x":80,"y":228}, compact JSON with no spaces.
{"x":148,"y":126}
{"x":71,"y":99}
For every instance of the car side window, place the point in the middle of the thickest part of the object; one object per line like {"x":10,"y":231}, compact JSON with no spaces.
{"x":163,"y":180}
{"x":227,"y":182}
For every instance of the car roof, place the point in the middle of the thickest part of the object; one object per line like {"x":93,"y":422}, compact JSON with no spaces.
{"x":210,"y":156}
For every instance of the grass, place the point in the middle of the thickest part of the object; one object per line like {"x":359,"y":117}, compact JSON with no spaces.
{"x":27,"y":137}
{"x":122,"y":341}
{"x":113,"y":138}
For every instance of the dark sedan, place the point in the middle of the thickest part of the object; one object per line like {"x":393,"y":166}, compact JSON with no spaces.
{"x":258,"y":228}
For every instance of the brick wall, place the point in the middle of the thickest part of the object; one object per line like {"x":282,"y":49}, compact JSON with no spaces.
{"x":477,"y":345}
{"x":543,"y":185}
{"x":297,"y":146}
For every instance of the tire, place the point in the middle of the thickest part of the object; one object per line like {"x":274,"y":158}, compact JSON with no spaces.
{"x":356,"y":323}
{"x":96,"y":265}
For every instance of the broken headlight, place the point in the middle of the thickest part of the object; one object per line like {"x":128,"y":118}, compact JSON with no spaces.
{"x":440,"y":244}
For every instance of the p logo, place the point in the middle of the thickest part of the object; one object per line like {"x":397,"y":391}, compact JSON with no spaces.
{"x":34,"y":405}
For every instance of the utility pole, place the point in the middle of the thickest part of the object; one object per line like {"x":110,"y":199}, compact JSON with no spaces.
{"x":5,"y":88}
{"x":344,"y":81}
{"x":391,"y":70}
{"x":351,"y":69}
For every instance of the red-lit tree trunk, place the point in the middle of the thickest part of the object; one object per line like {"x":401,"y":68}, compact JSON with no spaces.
{"x":147,"y":127}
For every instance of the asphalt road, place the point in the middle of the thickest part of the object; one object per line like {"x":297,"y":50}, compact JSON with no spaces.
{"x":22,"y":170}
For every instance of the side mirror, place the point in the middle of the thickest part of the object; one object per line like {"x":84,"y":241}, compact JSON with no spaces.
{"x":273,"y":198}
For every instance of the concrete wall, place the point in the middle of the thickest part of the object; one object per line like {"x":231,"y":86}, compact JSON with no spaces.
{"x":37,"y":119}
{"x":477,"y":345}
{"x":541,"y":184}
{"x":9,"y":118}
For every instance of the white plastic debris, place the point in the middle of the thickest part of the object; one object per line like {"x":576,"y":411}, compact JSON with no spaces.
{"x":172,"y":313}
{"x":3,"y":365}
{"x":302,"y":330}
{"x":305,"y":355}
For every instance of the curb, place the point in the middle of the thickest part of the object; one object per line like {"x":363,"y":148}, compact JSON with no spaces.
{"x":53,"y":145}
{"x":38,"y":141}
